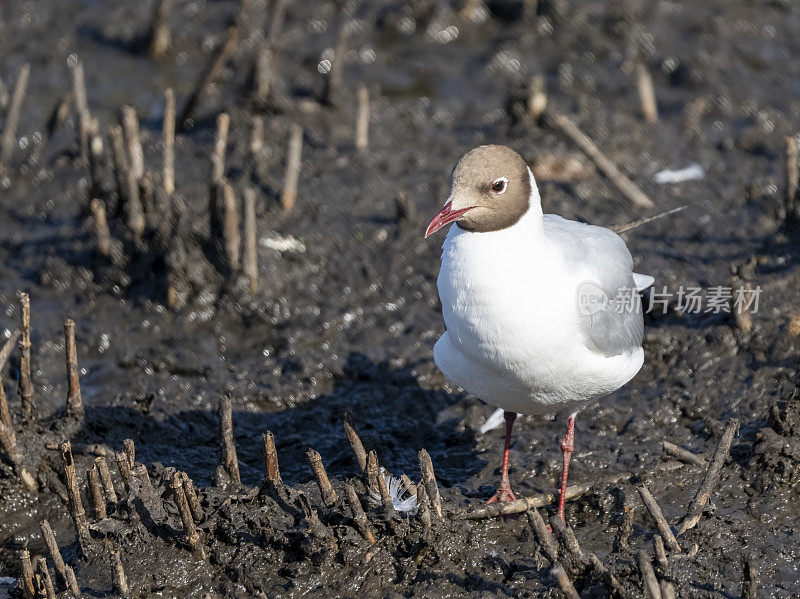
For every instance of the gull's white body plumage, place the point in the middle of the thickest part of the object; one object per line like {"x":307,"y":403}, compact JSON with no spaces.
{"x":515,"y":336}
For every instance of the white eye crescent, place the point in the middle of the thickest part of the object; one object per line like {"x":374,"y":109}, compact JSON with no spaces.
{"x":499,"y":185}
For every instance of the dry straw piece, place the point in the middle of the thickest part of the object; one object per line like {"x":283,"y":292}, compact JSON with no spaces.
{"x":648,"y":575}
{"x":354,"y":440}
{"x":105,"y":478}
{"x":537,"y":97}
{"x":74,"y":398}
{"x":625,"y":186}
{"x":75,"y":504}
{"x":647,"y":94}
{"x":25,"y":384}
{"x":8,"y":141}
{"x":102,"y":233}
{"x":655,"y":512}
{"x":429,"y":480}
{"x":220,"y":146}
{"x":271,"y":469}
{"x":230,"y":462}
{"x":362,"y":119}
{"x":210,"y":75}
{"x":118,"y":573}
{"x":168,"y":134}
{"x":318,"y":468}
{"x":292,"y":173}
{"x":250,"y":240}
{"x":711,"y":477}
{"x":230,"y":227}
{"x":360,"y":518}
{"x":159,"y":30}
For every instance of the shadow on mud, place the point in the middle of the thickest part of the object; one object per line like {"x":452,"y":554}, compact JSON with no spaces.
{"x":391,"y":412}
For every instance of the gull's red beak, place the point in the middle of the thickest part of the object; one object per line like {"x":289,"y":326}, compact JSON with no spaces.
{"x":445,"y":216}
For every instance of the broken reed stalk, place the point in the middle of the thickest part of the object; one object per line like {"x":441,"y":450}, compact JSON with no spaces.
{"x":9,"y":137}
{"x":263,"y":76}
{"x":250,"y":240}
{"x":105,"y":478}
{"x":168,"y":134}
{"x":230,"y":227}
{"x":271,"y":470}
{"x":360,"y":518}
{"x":655,"y":512}
{"x":684,"y":455}
{"x":130,"y":452}
{"x":667,"y":588}
{"x":72,"y":582}
{"x":566,"y":538}
{"x":8,"y":348}
{"x":85,"y":124}
{"x":133,"y":141}
{"x":711,"y":478}
{"x":230,"y":463}
{"x":292,"y":173}
{"x":124,"y":468}
{"x":191,"y":536}
{"x":25,"y":384}
{"x":58,"y":560}
{"x":159,"y":36}
{"x":742,"y":312}
{"x":537,"y":97}
{"x":750,"y":579}
{"x":96,"y":495}
{"x":429,"y":480}
{"x":647,"y":94}
{"x":564,"y":582}
{"x":318,"y":468}
{"x":545,"y":538}
{"x":372,"y":474}
{"x":191,"y":497}
{"x":277,"y":20}
{"x":75,"y":504}
{"x":792,"y":174}
{"x":648,"y":575}
{"x":8,"y":444}
{"x":220,"y":145}
{"x":335,"y":78}
{"x":120,"y":581}
{"x":74,"y":398}
{"x":119,"y":159}
{"x":28,"y":588}
{"x":362,"y":119}
{"x":209,"y":75}
{"x":5,"y":414}
{"x":44,"y":582}
{"x":102,"y":233}
{"x":4,"y":97}
{"x":624,"y":185}
{"x":423,"y":505}
{"x":524,"y":504}
{"x":354,"y":439}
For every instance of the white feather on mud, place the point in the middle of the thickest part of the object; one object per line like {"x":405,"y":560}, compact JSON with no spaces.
{"x":402,"y":499}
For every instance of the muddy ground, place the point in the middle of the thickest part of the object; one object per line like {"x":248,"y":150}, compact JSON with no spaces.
{"x":348,"y":316}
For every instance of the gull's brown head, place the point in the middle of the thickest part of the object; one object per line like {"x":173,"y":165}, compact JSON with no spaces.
{"x":490,"y":190}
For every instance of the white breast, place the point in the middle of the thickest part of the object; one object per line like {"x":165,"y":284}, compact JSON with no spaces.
{"x":511,"y":315}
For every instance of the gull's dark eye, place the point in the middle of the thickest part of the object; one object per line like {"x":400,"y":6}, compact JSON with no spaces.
{"x":499,"y":185}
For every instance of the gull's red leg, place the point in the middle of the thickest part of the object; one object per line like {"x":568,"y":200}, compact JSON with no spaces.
{"x":567,"y":447}
{"x":504,"y":492}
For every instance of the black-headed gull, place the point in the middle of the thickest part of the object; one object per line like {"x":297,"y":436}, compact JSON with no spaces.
{"x":531,"y":302}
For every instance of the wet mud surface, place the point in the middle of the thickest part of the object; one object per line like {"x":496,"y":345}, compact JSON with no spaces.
{"x":347,"y":316}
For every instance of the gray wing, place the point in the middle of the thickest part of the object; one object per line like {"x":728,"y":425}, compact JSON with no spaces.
{"x":613,"y":329}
